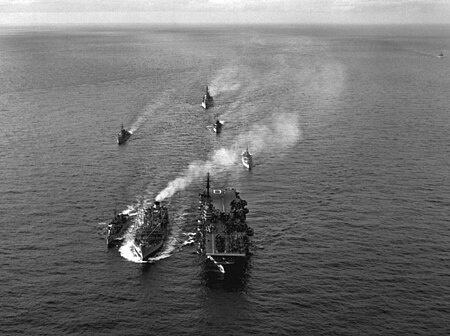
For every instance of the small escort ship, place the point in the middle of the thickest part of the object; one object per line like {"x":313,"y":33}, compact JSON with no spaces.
{"x":117,"y":228}
{"x":247,"y":159}
{"x":217,"y":127}
{"x":151,"y":235}
{"x":208,"y":100}
{"x":222,"y":233}
{"x":123,"y":136}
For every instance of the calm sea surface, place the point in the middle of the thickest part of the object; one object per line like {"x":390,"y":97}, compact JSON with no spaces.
{"x":349,"y":199}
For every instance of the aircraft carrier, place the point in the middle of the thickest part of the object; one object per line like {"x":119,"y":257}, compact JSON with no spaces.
{"x":222,"y":231}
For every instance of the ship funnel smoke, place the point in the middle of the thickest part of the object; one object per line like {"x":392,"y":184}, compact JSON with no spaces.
{"x":136,"y":124}
{"x":149,"y":110}
{"x":222,"y":160}
{"x":281,"y":132}
{"x":226,"y":80}
{"x":141,"y":119}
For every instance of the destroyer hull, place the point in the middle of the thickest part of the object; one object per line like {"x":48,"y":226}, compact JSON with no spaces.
{"x":207,"y":101}
{"x":122,"y":140}
{"x":113,"y":241}
{"x":217,"y":127}
{"x":247,"y":164}
{"x":207,"y":104}
{"x":247,"y":160}
{"x":114,"y":236}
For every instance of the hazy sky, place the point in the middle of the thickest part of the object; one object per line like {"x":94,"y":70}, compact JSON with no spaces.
{"x":224,"y":11}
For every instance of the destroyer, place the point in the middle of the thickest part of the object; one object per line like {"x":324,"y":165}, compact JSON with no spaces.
{"x":208,"y":100}
{"x":116,"y":229}
{"x":247,"y":159}
{"x":223,"y":235}
{"x":151,"y":235}
{"x":123,"y":136}
{"x":217,"y":127}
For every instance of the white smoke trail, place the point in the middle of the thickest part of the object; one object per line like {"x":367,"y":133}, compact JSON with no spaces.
{"x":221,"y":160}
{"x":282,"y":132}
{"x":148,"y":111}
{"x":137,"y":123}
{"x":141,"y":119}
{"x":226,"y":80}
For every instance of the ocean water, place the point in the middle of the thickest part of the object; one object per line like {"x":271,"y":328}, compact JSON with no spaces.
{"x":349,"y":199}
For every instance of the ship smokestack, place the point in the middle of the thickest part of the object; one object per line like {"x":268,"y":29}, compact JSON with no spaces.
{"x":156,"y":205}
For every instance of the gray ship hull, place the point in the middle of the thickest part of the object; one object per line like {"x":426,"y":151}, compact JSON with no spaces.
{"x":147,"y":251}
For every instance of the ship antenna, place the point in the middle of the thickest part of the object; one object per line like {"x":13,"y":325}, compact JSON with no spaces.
{"x":207,"y":185}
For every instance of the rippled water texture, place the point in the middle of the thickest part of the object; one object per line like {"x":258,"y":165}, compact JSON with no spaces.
{"x":349,"y":198}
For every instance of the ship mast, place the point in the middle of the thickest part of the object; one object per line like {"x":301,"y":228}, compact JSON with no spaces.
{"x":207,"y":185}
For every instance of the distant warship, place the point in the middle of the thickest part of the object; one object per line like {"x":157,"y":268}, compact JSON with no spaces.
{"x":247,"y":159}
{"x":151,"y":235}
{"x":208,"y":100}
{"x":217,"y":127}
{"x":123,"y":136}
{"x":222,"y":232}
